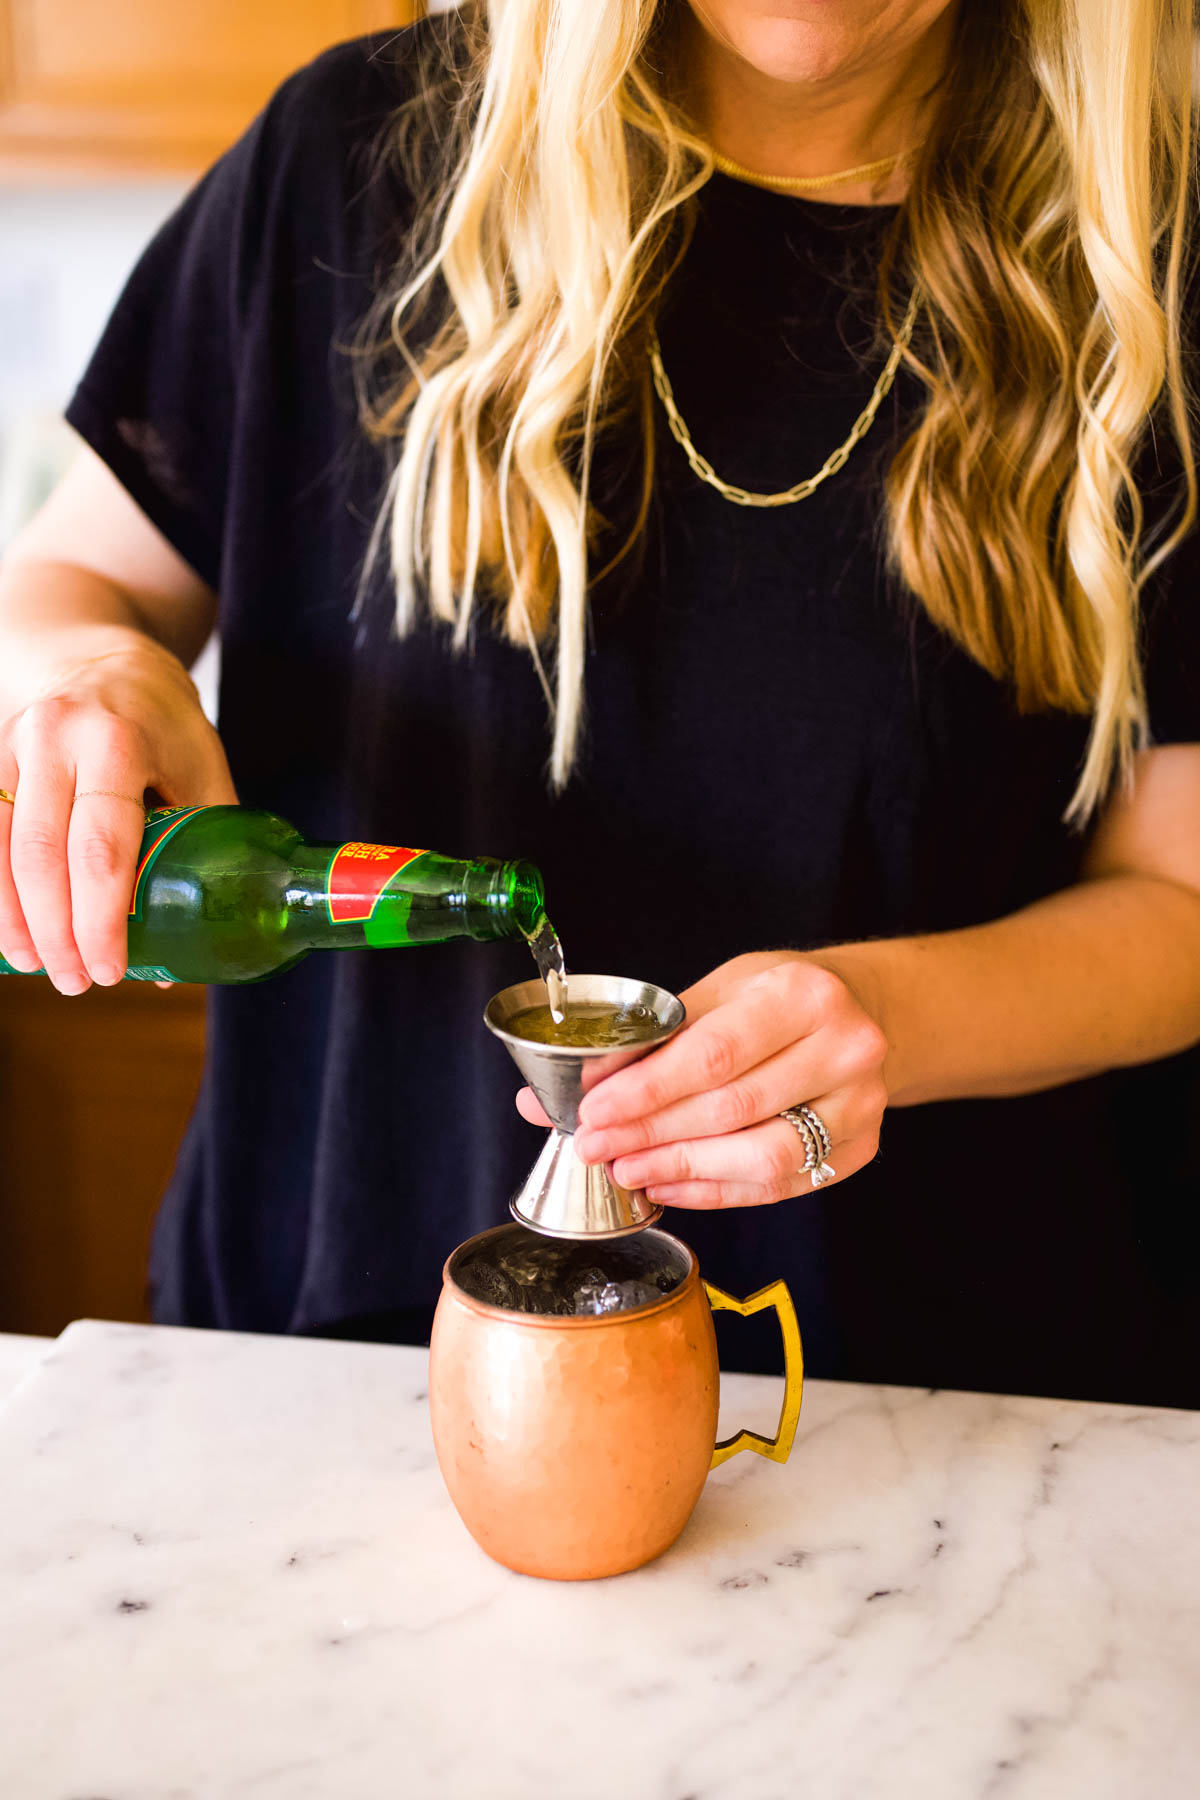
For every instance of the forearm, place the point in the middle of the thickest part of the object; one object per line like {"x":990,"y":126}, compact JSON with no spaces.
{"x":1102,"y":975}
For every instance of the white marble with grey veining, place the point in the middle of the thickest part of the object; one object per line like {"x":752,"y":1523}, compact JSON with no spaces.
{"x":19,"y":1357}
{"x":229,"y":1569}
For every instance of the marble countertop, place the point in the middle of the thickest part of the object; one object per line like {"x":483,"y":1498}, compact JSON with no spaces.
{"x":230,"y":1568}
{"x":19,"y":1356}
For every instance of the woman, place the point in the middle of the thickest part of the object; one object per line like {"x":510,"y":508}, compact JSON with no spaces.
{"x":631,"y":276}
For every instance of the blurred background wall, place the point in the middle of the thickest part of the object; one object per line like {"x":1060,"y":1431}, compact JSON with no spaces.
{"x":67,"y":248}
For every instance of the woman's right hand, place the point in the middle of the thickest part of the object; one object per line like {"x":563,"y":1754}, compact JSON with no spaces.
{"x":107,"y":730}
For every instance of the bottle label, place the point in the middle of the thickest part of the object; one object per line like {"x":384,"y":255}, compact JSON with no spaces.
{"x":160,"y":827}
{"x":358,"y":875}
{"x":149,"y":972}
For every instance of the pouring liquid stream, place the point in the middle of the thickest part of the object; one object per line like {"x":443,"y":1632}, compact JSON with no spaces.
{"x":548,"y":955}
{"x":587,"y":1024}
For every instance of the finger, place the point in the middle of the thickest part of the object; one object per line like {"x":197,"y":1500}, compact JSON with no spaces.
{"x":103,"y":843}
{"x":770,"y":1152}
{"x":813,"y":1065}
{"x":38,"y":857}
{"x":16,"y":944}
{"x":529,"y":1108}
{"x":704,"y":1056}
{"x":766,"y":1015}
{"x":706,"y":1196}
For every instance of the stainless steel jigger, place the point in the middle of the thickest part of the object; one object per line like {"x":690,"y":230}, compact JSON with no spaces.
{"x":563,"y":1197}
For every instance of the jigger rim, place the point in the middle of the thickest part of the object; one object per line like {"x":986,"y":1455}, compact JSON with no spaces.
{"x":621,"y":990}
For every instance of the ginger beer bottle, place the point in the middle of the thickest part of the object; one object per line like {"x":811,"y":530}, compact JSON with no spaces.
{"x":232,"y":894}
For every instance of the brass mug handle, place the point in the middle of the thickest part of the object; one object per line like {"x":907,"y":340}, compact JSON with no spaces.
{"x":778,"y":1448}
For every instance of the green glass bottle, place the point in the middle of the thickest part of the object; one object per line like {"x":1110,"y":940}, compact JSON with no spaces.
{"x":231,"y":894}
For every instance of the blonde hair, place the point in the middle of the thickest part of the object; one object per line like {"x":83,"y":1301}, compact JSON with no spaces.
{"x":1045,"y":223}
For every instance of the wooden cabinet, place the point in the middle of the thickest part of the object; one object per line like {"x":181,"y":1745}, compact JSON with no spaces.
{"x":94,"y":1096}
{"x":105,"y":86}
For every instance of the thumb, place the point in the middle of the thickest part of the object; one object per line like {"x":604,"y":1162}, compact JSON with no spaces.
{"x":529,"y":1108}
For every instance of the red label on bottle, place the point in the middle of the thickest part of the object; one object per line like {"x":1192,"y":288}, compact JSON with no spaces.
{"x":159,"y":827}
{"x":358,"y":875}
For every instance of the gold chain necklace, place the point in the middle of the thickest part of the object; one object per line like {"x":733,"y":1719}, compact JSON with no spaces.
{"x":812,"y":184}
{"x":742,"y":496}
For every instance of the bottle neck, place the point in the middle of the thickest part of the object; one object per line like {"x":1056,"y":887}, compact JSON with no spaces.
{"x":346,"y":896}
{"x":503,"y":899}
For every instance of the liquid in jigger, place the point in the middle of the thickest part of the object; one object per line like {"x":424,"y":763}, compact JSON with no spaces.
{"x":587,"y":1025}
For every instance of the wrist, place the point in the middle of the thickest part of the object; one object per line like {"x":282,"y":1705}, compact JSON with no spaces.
{"x":120,"y":654}
{"x":43,"y":663}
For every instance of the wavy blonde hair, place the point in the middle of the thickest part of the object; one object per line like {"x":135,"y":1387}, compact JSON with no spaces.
{"x":1045,"y":222}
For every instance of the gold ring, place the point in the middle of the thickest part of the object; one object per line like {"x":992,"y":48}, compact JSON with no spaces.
{"x":109,"y":794}
{"x":5,"y":795}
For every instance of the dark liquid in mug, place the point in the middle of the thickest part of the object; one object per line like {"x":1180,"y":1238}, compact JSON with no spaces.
{"x":524,"y":1272}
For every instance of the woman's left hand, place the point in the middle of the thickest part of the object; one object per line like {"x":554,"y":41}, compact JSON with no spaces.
{"x":697,"y":1123}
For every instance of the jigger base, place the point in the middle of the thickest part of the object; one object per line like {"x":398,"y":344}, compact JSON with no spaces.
{"x":566,"y":1198}
{"x":514,"y":1207}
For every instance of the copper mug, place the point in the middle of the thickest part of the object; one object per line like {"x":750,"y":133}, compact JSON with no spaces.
{"x":576,"y":1447}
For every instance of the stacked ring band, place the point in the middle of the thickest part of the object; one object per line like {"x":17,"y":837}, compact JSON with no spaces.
{"x":814,"y":1134}
{"x":5,"y":795}
{"x":807,"y":1136}
{"x":819,"y":1126}
{"x":824,"y":1170}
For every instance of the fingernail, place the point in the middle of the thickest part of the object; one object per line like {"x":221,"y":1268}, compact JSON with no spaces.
{"x":72,"y":984}
{"x":594,"y":1113}
{"x":27,"y":961}
{"x":108,"y":974}
{"x":589,"y":1146}
{"x":629,"y":1174}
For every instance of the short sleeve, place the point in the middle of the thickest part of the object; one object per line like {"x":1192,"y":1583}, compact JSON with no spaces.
{"x":217,"y":324}
{"x":1170,"y":611}
{"x":1171,"y":647}
{"x":158,"y":398}
{"x":1171,"y":601}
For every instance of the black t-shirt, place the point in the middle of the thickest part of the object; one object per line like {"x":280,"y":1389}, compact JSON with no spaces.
{"x":781,"y":751}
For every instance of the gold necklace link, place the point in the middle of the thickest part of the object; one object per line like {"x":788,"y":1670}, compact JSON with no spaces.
{"x":803,"y":489}
{"x":813,"y":184}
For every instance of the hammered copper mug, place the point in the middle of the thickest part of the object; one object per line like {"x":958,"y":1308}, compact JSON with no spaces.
{"x":577,"y":1446}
